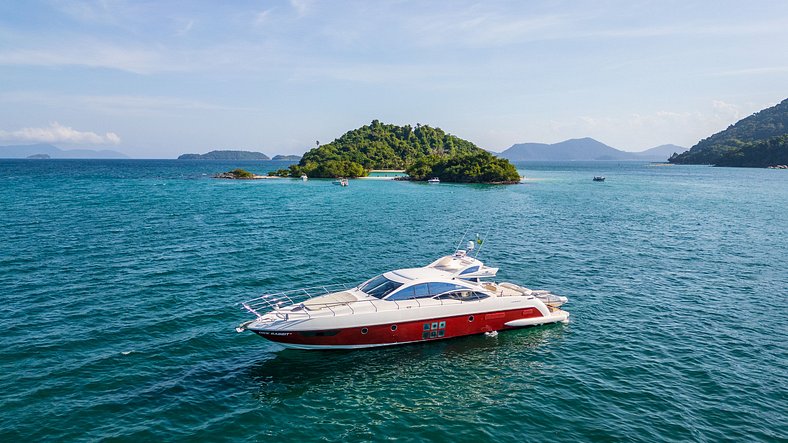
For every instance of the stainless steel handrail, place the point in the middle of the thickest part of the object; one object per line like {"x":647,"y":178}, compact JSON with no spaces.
{"x":293,"y":298}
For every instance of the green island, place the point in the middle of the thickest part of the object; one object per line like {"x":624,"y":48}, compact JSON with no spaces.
{"x":757,"y":141}
{"x":423,"y":152}
{"x":236,"y":174}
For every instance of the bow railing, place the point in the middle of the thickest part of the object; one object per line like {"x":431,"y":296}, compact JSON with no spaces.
{"x":271,"y":302}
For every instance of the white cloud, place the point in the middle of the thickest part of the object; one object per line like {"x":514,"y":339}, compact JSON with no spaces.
{"x":57,"y":133}
{"x":125,"y":105}
{"x":634,"y":131}
{"x":301,"y":6}
{"x":94,"y":55}
{"x":261,"y":17}
{"x":724,"y":110}
{"x":184,"y":26}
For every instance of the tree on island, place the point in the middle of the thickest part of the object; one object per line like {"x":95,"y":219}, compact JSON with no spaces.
{"x":769,"y":152}
{"x":385,"y":146}
{"x":473,"y":167}
{"x":236,"y":174}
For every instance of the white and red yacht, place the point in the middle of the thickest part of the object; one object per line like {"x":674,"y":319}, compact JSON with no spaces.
{"x":445,"y":299}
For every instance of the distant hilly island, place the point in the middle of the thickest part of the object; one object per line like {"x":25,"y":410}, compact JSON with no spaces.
{"x":237,"y":155}
{"x":44,"y":151}
{"x":585,"y":149}
{"x":757,"y":141}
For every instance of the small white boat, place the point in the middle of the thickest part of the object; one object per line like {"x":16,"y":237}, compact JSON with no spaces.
{"x":450,"y":297}
{"x":434,"y":180}
{"x":304,"y":177}
{"x":341,"y":182}
{"x":599,"y":178}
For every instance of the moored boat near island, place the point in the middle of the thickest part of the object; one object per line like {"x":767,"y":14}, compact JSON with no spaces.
{"x":448,"y":298}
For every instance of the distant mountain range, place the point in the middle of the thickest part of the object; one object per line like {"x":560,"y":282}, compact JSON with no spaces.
{"x":237,"y":155}
{"x":757,"y":141}
{"x":584,"y":149}
{"x":286,"y":158}
{"x":42,"y":149}
{"x":225,"y":155}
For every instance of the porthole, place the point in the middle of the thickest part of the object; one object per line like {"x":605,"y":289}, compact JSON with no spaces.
{"x":393,"y":327}
{"x":470,"y":318}
{"x":364,"y":330}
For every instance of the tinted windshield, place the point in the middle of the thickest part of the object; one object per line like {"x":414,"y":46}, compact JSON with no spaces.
{"x":424,"y":290}
{"x":379,"y":286}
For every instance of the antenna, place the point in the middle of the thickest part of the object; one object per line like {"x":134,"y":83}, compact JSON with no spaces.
{"x":461,"y":239}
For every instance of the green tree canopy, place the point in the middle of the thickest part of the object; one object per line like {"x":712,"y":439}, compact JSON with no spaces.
{"x":385,"y":146}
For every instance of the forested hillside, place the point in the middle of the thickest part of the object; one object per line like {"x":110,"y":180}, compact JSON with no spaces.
{"x":739,"y":143}
{"x":385,"y":146}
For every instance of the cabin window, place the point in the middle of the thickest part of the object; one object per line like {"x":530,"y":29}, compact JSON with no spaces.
{"x":424,"y":290}
{"x":440,"y":288}
{"x":470,"y":270}
{"x":462,"y":296}
{"x":379,"y":286}
{"x":411,"y":292}
{"x":421,"y":290}
{"x":403,"y":294}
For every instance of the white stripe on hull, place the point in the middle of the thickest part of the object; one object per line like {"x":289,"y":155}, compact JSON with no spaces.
{"x":332,"y":347}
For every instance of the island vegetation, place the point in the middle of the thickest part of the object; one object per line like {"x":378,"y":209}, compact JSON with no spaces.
{"x":225,"y":155}
{"x":762,"y":154}
{"x":237,"y":174}
{"x":472,"y":167}
{"x":424,"y":152}
{"x":759,"y":140}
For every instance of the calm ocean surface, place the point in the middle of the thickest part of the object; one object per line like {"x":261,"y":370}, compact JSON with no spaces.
{"x":121,"y":281}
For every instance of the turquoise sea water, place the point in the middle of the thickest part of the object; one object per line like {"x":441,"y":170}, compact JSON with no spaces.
{"x":120,"y":282}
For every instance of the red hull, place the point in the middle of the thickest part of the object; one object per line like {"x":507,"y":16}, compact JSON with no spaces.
{"x":406,"y":332}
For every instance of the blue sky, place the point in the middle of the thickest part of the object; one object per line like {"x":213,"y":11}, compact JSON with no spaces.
{"x":159,"y":78}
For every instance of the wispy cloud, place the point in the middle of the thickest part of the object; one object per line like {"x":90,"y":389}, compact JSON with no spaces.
{"x":302,"y":7}
{"x":88,"y":11}
{"x":118,"y":104}
{"x":57,"y":133}
{"x":477,"y":27}
{"x":184,"y":26}
{"x":94,"y":55}
{"x":754,"y":71}
{"x":679,"y":127}
{"x":261,"y":17}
